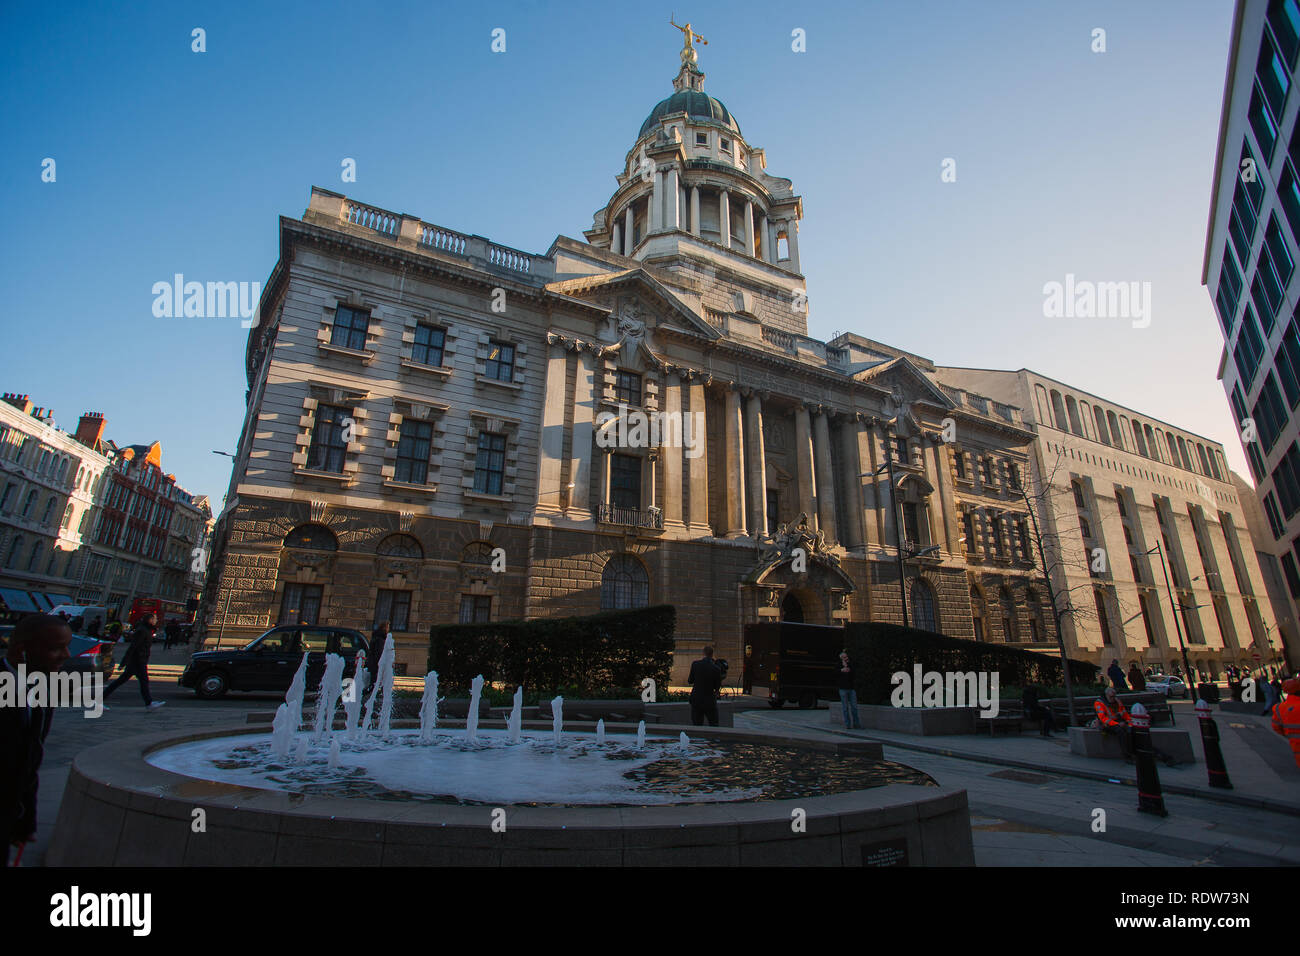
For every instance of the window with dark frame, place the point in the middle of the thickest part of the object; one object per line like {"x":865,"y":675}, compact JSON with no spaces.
{"x":490,"y":464}
{"x":430,"y":341}
{"x":500,"y":362}
{"x":328,"y":449}
{"x":350,"y":328}
{"x":625,"y":481}
{"x":475,"y":608}
{"x":413,"y":452}
{"x":300,"y":604}
{"x":394,"y":607}
{"x":627,"y":389}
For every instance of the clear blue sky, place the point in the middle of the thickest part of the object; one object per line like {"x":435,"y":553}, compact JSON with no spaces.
{"x":168,"y":161}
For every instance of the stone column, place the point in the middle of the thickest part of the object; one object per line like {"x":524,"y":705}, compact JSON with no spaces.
{"x":852,"y":484}
{"x":756,"y":466}
{"x":803,"y":452}
{"x":657,"y":202}
{"x":825,"y":478}
{"x":695,"y":210}
{"x":724,"y":218}
{"x":735,"y":466}
{"x":629,"y":230}
{"x":792,"y":233}
{"x":584,"y":415}
{"x":749,"y":227}
{"x":616,"y":243}
{"x":697,"y":460}
{"x":765,"y":246}
{"x":868,"y":463}
{"x":945,"y":500}
{"x":683,"y":209}
{"x":549,"y":492}
{"x":671,"y":193}
{"x":672,"y":452}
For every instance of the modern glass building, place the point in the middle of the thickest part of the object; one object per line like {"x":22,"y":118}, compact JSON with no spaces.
{"x":1252,"y":243}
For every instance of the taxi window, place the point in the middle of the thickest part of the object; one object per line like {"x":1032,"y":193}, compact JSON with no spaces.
{"x":318,"y":641}
{"x":278,"y":642}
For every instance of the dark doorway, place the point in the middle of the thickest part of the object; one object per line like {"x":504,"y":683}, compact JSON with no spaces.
{"x":791,"y":609}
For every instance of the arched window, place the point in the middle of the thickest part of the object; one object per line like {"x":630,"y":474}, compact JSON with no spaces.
{"x":14,"y":549}
{"x":49,"y":510}
{"x":67,"y":515}
{"x":923,"y":606}
{"x":477,"y":553}
{"x":623,"y":584}
{"x":1058,"y":412}
{"x":1151,"y":442}
{"x":29,"y":503}
{"x":1205,"y":462}
{"x":311,"y":537}
{"x":35,"y":555}
{"x":1116,"y":437}
{"x":1085,"y":414}
{"x":1139,"y":440}
{"x":978,"y":617}
{"x":1100,"y":417}
{"x":1182,"y":453}
{"x":1040,"y":395}
{"x":400,"y":546}
{"x":1072,"y":407}
{"x":1008,"y":607}
{"x":1080,"y":502}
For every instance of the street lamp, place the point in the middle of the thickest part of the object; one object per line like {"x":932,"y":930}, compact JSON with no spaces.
{"x":226,"y":453}
{"x":888,"y":467}
{"x":1175,"y":607}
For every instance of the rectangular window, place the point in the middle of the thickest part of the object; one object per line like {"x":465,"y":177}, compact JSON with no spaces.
{"x":490,"y":465}
{"x":1249,"y":349}
{"x":911,"y":523}
{"x":1284,"y":21}
{"x":995,"y":524}
{"x":501,"y":362}
{"x":1269,"y":413}
{"x":300,"y":604}
{"x":413,"y":452}
{"x":1286,"y":479}
{"x":328,"y":449}
{"x":959,"y":463}
{"x":1102,"y":617}
{"x":968,"y":530}
{"x":625,"y":481}
{"x":1026,"y":544}
{"x":429,"y":342}
{"x":1292,"y":579}
{"x":1229,"y":292}
{"x":394,"y":607}
{"x":701,"y":139}
{"x":1272,"y":75}
{"x":1264,"y":125}
{"x":1288,"y":193}
{"x":627,"y":389}
{"x":350,"y":328}
{"x":986,"y":469}
{"x":1287,"y":361}
{"x":475,"y":608}
{"x":773,"y":509}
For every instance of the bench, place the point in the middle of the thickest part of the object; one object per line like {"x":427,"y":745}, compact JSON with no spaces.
{"x":1010,"y":717}
{"x":1174,"y":745}
{"x":614,"y":711}
{"x":1157,"y":707}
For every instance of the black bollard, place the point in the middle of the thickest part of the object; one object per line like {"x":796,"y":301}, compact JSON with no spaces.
{"x":1150,"y":799}
{"x":1213,"y":753}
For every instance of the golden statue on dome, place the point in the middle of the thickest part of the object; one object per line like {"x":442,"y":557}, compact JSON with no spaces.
{"x":689,"y":56}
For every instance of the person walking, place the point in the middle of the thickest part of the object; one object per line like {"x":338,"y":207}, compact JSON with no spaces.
{"x":1135,"y":679}
{"x":1116,"y":675}
{"x":135,"y":662}
{"x":705,"y":680}
{"x":1270,"y":693}
{"x":39,"y":643}
{"x":848,"y":693}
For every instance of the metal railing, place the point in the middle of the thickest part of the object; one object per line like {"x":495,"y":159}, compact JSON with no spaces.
{"x":632,"y":517}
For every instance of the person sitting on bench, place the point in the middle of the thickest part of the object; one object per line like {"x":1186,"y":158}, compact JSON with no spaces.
{"x":1112,"y":718}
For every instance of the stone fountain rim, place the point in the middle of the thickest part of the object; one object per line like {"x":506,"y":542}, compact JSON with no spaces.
{"x":118,"y":773}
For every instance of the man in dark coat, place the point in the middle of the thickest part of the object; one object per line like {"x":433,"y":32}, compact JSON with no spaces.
{"x":40,"y":644}
{"x":1135,"y":679}
{"x":1116,"y":675}
{"x":135,"y":662}
{"x":706,"y":680}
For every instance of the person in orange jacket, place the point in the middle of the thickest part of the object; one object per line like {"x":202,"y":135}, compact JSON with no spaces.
{"x":1286,"y":716}
{"x":1113,"y":718}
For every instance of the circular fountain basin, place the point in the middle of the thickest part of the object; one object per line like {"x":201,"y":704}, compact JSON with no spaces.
{"x":729,"y":798}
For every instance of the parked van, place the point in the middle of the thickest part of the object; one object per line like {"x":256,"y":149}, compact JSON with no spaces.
{"x":87,"y":613}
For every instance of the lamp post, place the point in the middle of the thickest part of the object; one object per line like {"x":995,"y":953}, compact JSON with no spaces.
{"x":888,"y":467}
{"x":1057,"y":612}
{"x":1175,"y":607}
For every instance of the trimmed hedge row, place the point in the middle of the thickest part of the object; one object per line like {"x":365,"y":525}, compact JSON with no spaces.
{"x":879,"y":650}
{"x":610,"y":649}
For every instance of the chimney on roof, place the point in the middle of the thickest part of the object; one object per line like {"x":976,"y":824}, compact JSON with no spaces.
{"x":90,"y":429}
{"x":20,"y":402}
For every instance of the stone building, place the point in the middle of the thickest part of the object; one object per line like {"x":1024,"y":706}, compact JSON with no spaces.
{"x":442,"y":428}
{"x":1123,"y":497}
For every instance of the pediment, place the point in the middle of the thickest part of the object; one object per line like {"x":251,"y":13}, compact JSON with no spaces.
{"x":907,"y":383}
{"x":636,"y":303}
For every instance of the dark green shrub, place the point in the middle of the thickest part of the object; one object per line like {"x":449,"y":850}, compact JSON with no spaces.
{"x":592,"y":654}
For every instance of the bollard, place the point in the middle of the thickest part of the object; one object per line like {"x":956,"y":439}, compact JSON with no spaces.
{"x":1150,"y":799}
{"x":1210,"y":741}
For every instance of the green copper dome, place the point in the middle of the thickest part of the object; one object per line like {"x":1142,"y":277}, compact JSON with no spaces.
{"x":694,"y":103}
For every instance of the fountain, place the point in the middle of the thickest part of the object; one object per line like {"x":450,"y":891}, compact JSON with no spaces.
{"x":331,"y":685}
{"x":384,"y":684}
{"x":352,"y":702}
{"x":425,"y":793}
{"x":471,"y":717}
{"x":297,"y":690}
{"x":429,"y":707}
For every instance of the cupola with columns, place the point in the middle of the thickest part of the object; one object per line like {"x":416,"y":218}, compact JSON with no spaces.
{"x":693,"y":193}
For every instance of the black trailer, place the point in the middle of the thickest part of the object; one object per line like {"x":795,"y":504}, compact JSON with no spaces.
{"x":792,"y":662}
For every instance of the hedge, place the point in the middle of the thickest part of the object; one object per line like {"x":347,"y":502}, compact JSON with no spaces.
{"x":610,"y":649}
{"x":879,"y":650}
